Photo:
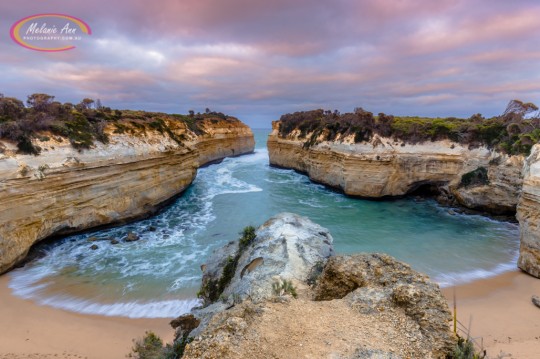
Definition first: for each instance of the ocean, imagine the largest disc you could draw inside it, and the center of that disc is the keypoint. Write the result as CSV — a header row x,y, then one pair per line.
x,y
159,275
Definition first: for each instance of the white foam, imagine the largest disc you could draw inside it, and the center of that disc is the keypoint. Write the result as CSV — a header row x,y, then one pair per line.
x,y
135,309
311,203
169,252
456,278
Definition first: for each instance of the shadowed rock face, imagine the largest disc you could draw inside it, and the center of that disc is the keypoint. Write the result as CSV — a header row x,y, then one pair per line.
x,y
528,215
363,306
373,283
384,167
64,190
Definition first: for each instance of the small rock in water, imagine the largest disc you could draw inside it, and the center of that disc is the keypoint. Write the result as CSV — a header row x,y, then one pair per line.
x,y
114,241
94,247
152,228
536,300
451,212
132,237
92,239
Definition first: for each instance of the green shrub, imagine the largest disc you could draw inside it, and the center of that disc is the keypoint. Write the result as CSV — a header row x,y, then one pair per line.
x,y
176,349
83,124
465,349
510,133
212,290
26,146
284,287
149,347
475,178
248,235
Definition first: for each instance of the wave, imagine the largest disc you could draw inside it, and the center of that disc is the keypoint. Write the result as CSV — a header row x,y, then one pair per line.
x,y
456,278
167,256
134,309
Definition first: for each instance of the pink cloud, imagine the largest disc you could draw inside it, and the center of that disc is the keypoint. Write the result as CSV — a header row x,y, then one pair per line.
x,y
268,57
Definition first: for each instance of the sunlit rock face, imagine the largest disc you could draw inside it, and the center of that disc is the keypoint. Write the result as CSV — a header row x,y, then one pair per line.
x,y
529,215
65,190
476,178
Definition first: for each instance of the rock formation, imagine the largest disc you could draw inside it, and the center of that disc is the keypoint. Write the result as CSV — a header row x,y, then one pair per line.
x,y
477,178
361,306
528,215
64,190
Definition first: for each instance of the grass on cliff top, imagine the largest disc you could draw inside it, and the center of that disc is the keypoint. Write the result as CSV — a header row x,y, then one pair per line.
x,y
84,123
510,133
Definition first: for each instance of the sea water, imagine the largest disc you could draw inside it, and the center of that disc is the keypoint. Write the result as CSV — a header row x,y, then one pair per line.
x,y
159,275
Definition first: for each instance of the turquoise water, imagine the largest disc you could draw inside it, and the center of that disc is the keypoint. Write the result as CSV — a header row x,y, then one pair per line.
x,y
159,275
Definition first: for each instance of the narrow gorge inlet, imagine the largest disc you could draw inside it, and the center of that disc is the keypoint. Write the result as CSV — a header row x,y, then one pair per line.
x,y
204,179
159,275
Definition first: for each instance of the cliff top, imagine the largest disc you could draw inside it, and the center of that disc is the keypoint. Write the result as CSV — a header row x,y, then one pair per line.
x,y
84,123
513,132
288,296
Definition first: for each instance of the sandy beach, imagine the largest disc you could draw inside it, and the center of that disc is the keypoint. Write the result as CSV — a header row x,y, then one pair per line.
x,y
501,314
28,330
503,317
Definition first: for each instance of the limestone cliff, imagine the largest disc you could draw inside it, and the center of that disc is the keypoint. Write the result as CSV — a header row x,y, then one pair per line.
x,y
529,215
477,178
64,190
289,297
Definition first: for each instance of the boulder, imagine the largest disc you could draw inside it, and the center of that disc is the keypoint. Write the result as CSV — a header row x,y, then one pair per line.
x,y
286,247
132,237
376,283
183,325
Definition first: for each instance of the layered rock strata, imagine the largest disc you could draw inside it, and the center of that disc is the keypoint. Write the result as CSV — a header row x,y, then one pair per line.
x,y
528,215
65,190
477,178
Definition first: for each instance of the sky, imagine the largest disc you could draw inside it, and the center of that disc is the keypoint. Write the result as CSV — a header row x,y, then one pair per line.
x,y
257,60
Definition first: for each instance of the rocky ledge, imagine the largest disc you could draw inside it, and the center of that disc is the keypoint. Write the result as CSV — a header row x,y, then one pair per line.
x,y
287,296
477,178
65,190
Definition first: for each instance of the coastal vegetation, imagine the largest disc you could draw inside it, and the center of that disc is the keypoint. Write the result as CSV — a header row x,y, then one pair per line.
x,y
513,132
84,123
151,347
212,289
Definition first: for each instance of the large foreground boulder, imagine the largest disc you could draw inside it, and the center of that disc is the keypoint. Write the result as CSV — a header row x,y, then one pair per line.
x,y
282,294
286,247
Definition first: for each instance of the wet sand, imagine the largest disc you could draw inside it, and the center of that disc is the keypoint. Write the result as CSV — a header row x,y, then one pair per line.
x,y
503,318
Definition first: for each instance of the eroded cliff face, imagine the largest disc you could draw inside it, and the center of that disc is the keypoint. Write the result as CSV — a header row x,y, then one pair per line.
x,y
64,190
528,215
385,167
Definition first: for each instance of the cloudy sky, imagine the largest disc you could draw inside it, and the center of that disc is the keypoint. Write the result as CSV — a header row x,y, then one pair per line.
x,y
259,59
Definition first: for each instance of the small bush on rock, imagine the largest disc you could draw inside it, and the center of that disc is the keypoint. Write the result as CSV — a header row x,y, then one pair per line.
x,y
149,347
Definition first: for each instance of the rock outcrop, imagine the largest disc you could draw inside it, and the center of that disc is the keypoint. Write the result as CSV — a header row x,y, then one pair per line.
x,y
362,306
374,283
477,178
64,190
528,215
286,247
